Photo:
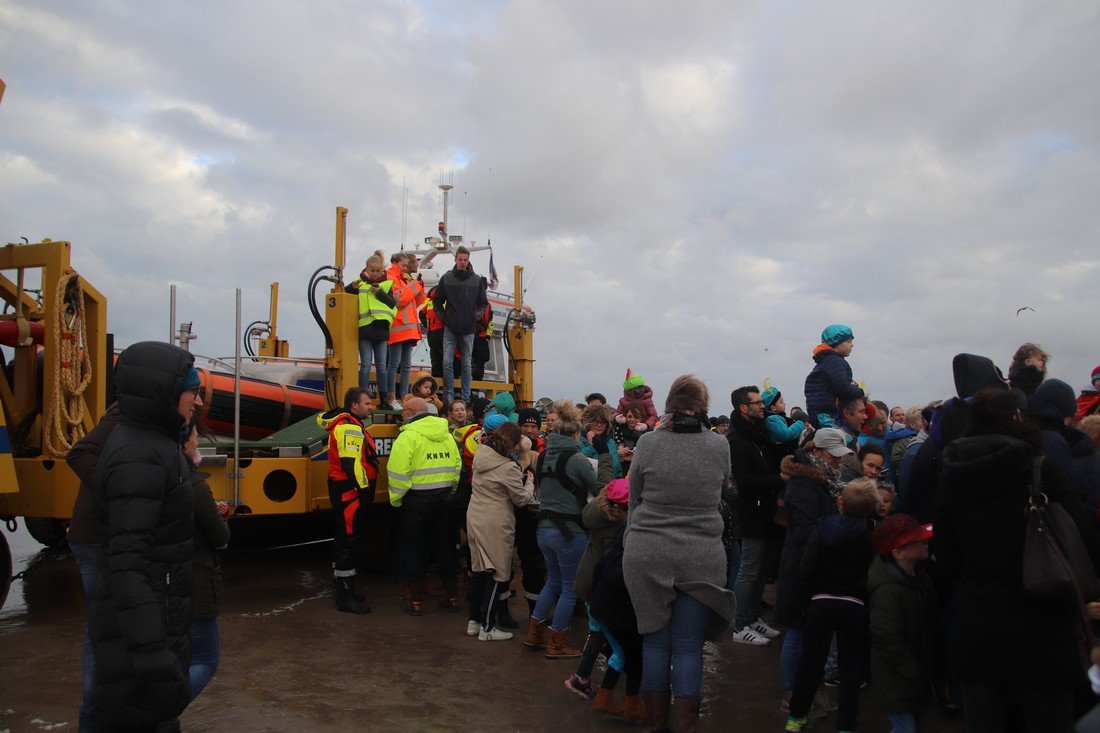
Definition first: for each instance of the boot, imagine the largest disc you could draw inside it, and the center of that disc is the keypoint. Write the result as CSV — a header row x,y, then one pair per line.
x,y
656,705
603,703
633,708
415,604
449,601
556,647
536,634
685,713
346,600
504,617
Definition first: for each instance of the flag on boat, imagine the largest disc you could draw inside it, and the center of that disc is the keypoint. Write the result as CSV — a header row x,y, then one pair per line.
x,y
493,279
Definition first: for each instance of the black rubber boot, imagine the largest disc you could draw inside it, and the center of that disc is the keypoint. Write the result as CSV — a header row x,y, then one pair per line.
x,y
346,600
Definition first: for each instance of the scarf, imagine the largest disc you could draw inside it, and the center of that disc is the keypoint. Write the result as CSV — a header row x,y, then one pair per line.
x,y
833,484
685,422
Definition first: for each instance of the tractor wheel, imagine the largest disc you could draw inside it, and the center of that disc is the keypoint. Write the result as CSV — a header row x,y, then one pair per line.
x,y
50,532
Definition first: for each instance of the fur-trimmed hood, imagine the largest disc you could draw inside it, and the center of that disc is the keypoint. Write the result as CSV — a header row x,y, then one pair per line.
x,y
797,466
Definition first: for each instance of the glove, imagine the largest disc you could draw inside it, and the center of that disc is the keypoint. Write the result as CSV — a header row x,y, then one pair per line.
x,y
620,419
641,427
599,442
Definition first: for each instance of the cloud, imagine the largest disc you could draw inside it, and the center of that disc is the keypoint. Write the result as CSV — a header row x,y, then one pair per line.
x,y
691,188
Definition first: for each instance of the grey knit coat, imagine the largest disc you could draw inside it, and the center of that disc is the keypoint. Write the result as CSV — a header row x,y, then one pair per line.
x,y
674,530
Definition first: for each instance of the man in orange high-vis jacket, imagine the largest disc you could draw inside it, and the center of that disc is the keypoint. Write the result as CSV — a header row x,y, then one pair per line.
x,y
405,334
352,470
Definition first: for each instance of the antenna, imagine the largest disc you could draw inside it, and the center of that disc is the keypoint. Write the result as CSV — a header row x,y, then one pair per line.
x,y
489,236
404,209
531,279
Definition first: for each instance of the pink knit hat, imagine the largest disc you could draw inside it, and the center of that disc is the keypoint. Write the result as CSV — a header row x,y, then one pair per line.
x,y
618,491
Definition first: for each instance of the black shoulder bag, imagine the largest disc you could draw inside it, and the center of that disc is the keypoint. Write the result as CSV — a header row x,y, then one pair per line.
x,y
1056,566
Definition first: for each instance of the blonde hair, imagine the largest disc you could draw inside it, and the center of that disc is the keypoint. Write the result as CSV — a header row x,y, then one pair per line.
x,y
378,257
860,497
687,394
1090,426
568,423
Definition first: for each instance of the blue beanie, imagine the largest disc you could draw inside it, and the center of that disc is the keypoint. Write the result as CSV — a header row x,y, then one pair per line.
x,y
769,396
191,379
836,334
492,422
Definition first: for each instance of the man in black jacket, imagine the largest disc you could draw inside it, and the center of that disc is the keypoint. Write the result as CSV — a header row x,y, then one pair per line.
x,y
141,613
759,486
460,298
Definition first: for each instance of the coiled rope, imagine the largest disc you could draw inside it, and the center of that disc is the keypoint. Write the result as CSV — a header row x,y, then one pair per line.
x,y
72,367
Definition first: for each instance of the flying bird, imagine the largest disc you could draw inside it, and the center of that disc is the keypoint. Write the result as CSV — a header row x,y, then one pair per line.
x,y
1025,308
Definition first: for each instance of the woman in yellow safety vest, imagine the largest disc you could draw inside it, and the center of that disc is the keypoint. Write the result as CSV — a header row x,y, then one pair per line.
x,y
377,308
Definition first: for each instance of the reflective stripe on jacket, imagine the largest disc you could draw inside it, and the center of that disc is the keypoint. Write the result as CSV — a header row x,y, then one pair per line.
x,y
348,440
423,458
409,294
372,309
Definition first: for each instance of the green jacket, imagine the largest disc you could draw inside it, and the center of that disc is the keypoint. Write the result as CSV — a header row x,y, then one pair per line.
x,y
902,609
424,460
557,498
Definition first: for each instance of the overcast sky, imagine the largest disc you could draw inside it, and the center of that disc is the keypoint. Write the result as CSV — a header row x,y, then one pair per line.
x,y
693,187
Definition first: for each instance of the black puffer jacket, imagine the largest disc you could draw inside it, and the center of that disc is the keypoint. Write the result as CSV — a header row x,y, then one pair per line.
x,y
141,612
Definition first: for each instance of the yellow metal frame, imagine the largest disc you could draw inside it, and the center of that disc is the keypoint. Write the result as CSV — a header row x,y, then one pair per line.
x,y
287,485
43,486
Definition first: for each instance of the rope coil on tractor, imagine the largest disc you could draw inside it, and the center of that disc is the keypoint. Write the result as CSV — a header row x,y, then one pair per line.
x,y
72,367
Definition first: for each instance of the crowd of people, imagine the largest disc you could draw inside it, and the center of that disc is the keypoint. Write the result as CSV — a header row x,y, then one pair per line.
x,y
895,538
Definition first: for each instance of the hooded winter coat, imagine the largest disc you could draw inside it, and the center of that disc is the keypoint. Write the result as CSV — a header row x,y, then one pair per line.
x,y
497,486
674,528
829,383
807,502
972,374
980,518
141,611
902,609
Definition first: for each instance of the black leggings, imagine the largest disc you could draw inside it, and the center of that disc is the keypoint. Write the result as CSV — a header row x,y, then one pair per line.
x,y
484,596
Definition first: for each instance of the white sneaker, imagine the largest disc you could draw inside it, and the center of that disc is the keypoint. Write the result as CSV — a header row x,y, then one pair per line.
x,y
472,627
761,627
748,636
396,405
493,635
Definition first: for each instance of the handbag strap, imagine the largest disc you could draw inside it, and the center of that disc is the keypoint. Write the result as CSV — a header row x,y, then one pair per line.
x,y
1035,488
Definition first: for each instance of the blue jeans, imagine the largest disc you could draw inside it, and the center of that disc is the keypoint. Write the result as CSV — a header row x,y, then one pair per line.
x,y
677,647
206,652
380,351
903,723
400,358
89,559
790,656
751,577
734,564
465,343
562,558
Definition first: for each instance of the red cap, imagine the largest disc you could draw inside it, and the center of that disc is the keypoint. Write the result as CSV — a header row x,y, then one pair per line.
x,y
897,531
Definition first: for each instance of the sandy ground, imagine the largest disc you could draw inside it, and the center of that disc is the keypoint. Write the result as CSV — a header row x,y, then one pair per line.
x,y
290,662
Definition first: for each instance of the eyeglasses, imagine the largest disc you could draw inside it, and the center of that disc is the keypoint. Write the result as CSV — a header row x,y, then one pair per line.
x,y
755,402
195,392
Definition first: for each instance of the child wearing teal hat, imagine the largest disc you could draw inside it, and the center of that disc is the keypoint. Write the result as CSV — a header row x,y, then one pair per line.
x,y
829,384
782,431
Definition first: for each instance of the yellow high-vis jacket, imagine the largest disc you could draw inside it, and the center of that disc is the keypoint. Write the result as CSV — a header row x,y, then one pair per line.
x,y
424,458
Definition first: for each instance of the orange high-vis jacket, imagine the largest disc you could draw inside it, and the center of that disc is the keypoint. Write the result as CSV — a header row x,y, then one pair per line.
x,y
409,295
